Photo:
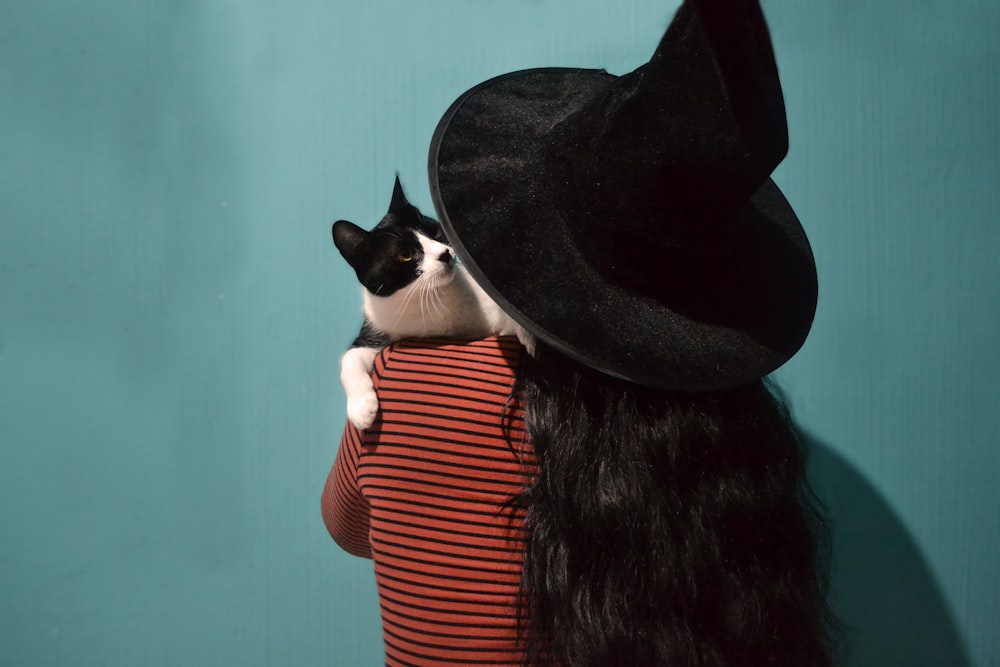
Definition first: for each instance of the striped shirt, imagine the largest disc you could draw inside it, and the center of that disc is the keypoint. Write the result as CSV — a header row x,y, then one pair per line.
x,y
427,493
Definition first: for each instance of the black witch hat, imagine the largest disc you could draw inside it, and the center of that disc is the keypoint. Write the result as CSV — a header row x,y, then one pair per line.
x,y
631,221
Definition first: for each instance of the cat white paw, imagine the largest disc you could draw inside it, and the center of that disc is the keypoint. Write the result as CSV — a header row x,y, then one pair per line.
x,y
362,408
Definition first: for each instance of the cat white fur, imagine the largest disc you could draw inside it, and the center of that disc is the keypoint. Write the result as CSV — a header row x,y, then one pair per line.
x,y
442,302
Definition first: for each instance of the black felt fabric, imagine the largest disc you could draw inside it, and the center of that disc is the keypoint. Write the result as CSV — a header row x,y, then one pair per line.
x,y
631,221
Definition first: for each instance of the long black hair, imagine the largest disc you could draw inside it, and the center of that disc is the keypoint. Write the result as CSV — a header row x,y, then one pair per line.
x,y
667,527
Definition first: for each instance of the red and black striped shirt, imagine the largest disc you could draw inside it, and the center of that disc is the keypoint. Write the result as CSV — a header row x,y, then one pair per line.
x,y
427,492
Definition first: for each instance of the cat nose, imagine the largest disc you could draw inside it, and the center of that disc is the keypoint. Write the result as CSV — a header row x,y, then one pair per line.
x,y
446,257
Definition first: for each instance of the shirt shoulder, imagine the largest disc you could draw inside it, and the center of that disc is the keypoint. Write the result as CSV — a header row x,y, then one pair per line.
x,y
493,360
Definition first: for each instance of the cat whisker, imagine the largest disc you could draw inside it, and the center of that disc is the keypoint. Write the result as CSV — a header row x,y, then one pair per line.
x,y
411,290
440,303
437,301
426,289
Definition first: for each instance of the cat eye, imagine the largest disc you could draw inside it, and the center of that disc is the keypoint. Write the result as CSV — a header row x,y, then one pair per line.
x,y
404,255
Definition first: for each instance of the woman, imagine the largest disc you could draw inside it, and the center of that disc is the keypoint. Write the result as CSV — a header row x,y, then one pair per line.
x,y
630,493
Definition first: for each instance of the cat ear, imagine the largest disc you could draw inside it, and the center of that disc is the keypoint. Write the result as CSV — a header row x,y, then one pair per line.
x,y
399,202
348,238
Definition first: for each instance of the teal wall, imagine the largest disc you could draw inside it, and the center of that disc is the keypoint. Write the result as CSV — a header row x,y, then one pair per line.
x,y
172,310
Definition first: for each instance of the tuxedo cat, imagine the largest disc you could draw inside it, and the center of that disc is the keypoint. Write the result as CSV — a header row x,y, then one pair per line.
x,y
413,287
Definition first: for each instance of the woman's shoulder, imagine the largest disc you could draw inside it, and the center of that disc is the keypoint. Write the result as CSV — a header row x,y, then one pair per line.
x,y
498,355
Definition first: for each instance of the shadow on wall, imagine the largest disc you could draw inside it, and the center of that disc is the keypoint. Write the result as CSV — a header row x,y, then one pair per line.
x,y
883,590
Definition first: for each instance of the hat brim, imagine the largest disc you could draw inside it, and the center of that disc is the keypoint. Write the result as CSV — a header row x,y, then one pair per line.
x,y
738,316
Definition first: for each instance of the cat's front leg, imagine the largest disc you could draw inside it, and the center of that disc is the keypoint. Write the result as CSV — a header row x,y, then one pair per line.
x,y
356,376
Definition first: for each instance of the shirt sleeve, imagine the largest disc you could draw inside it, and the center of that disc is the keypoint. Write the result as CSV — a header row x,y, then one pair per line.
x,y
345,511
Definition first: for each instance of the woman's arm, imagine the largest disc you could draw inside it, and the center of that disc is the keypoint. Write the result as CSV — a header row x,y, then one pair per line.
x,y
345,511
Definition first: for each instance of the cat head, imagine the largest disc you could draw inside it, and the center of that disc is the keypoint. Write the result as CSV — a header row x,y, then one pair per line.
x,y
404,246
